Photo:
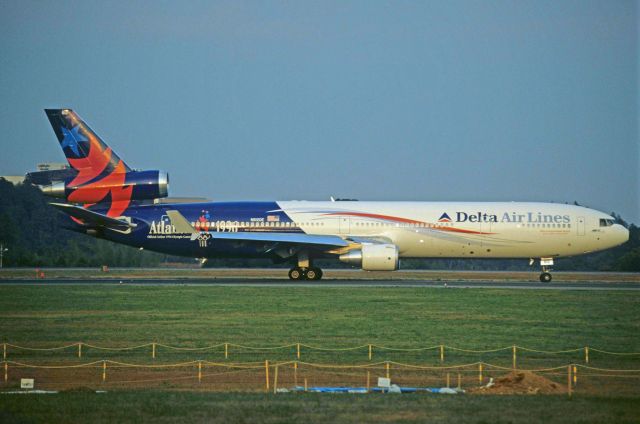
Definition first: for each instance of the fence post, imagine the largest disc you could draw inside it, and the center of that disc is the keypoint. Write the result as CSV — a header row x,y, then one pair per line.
x,y
79,349
459,381
480,373
569,380
514,357
575,375
226,351
199,371
586,354
153,350
275,381
305,385
6,371
266,374
4,351
448,380
295,374
370,352
104,371
441,353
386,365
368,380
298,352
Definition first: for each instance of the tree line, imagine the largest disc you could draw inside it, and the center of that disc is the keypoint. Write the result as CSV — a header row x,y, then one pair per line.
x,y
35,235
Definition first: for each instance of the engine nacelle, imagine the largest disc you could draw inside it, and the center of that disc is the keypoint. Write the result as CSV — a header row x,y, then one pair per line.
x,y
138,185
373,257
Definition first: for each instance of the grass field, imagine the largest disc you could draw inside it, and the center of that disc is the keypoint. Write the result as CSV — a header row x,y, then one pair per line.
x,y
124,315
170,407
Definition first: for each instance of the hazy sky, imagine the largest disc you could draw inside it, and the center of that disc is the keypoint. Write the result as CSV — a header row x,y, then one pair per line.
x,y
399,100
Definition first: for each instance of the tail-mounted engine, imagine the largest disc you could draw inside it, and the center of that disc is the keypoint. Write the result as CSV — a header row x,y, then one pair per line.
x,y
136,185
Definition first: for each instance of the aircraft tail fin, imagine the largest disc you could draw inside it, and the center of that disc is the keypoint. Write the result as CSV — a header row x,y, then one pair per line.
x,y
83,148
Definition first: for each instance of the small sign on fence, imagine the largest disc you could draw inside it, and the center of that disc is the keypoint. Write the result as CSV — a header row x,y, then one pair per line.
x,y
384,382
26,383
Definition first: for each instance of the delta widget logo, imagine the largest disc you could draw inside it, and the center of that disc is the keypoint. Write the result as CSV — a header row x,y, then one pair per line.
x,y
444,218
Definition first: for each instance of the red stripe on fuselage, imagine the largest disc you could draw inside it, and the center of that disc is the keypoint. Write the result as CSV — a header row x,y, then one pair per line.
x,y
407,221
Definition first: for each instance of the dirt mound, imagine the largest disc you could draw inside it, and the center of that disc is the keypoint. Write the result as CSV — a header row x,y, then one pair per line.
x,y
520,383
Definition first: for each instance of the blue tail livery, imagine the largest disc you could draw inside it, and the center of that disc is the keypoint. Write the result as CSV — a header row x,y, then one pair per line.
x,y
101,178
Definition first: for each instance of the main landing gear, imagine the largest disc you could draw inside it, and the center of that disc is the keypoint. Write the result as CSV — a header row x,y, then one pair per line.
x,y
305,269
311,273
546,264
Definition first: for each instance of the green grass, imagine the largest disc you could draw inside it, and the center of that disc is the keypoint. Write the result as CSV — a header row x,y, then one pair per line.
x,y
334,316
114,315
196,316
168,407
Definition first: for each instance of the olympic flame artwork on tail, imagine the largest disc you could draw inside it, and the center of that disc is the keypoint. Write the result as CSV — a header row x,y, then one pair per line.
x,y
101,176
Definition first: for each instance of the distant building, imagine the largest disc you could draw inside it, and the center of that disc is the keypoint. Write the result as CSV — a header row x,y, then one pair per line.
x,y
52,166
43,175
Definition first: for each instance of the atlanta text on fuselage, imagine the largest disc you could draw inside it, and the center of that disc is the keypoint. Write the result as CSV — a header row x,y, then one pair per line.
x,y
107,199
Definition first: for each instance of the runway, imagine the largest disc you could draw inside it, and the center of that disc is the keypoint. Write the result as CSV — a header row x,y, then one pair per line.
x,y
272,282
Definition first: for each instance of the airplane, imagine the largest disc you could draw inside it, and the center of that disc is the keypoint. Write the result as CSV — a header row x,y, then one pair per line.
x,y
105,198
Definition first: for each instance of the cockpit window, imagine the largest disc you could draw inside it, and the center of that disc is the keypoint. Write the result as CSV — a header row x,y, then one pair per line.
x,y
606,222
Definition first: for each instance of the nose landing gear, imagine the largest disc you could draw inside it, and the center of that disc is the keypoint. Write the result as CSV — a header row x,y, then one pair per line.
x,y
546,264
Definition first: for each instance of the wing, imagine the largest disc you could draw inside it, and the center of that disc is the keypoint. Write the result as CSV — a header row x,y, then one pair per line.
x,y
183,226
286,238
370,240
93,219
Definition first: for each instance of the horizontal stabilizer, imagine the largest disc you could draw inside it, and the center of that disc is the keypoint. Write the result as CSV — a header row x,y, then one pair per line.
x,y
93,219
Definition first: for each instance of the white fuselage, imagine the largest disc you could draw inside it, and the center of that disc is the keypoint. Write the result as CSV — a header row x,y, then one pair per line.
x,y
464,229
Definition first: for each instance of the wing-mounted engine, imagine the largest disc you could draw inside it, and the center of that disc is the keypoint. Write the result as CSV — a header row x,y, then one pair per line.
x,y
142,185
373,257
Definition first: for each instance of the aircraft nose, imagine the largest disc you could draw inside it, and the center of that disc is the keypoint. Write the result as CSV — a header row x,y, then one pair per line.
x,y
622,234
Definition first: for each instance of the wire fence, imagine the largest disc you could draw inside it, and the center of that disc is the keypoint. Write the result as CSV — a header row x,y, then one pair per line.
x,y
513,356
301,376
301,366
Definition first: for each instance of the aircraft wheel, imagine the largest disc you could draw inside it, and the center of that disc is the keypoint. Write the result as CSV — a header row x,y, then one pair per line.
x,y
296,273
314,274
545,277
